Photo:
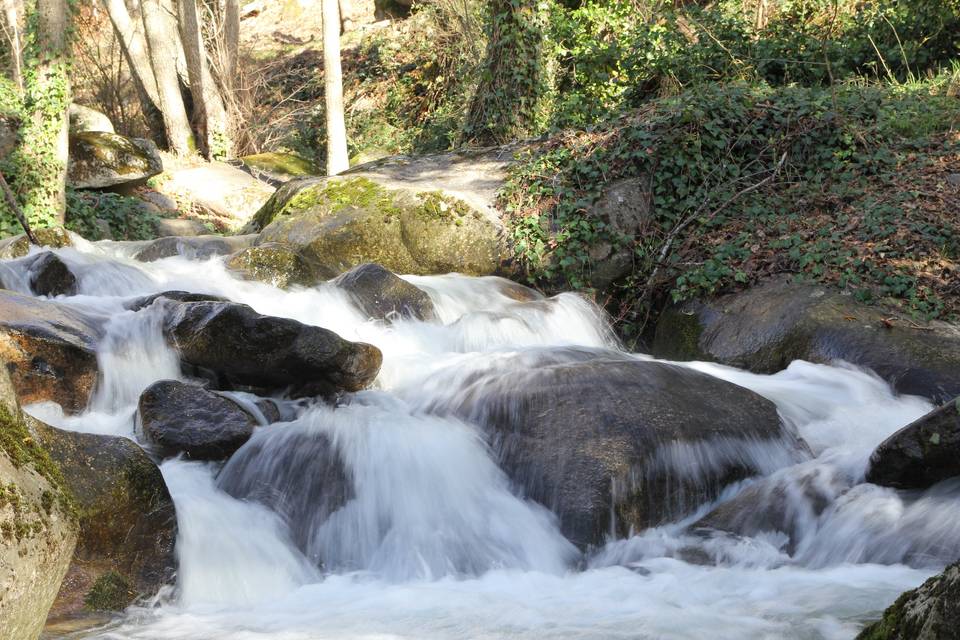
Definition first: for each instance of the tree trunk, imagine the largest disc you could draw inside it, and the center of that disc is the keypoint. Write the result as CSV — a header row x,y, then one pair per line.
x,y
209,111
132,44
13,35
163,42
337,159
231,44
41,159
346,16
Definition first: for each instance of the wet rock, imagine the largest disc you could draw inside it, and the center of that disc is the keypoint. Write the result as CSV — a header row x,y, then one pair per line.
x,y
337,224
50,276
602,440
172,296
127,518
38,527
193,247
765,328
49,350
929,612
272,263
86,119
247,348
99,159
182,418
52,237
921,454
380,293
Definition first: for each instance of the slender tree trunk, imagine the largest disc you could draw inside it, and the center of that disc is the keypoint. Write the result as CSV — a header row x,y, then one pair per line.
x,y
337,159
231,44
163,42
130,34
208,107
16,52
346,16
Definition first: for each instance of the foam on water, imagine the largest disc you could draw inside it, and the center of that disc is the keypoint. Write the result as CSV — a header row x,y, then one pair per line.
x,y
386,518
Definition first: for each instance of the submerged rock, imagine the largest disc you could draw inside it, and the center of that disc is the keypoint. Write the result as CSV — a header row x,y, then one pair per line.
x,y
929,612
337,224
99,159
50,276
612,443
765,328
172,296
921,454
380,293
272,263
178,418
248,348
127,520
49,349
192,247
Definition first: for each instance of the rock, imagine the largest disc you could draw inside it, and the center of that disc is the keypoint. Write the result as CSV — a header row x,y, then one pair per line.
x,y
127,520
921,454
162,201
624,208
174,296
49,350
182,418
181,227
50,276
52,237
227,194
337,224
38,524
99,159
606,441
765,328
277,168
87,119
193,248
272,263
247,348
380,293
929,612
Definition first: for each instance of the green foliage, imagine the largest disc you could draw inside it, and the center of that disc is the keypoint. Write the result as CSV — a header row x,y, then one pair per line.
x,y
111,592
728,212
126,218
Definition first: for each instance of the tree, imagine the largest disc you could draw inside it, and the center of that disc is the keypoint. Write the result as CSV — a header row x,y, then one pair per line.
x,y
165,50
210,114
231,43
337,159
12,29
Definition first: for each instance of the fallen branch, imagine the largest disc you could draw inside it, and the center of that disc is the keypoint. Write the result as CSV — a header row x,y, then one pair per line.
x,y
17,211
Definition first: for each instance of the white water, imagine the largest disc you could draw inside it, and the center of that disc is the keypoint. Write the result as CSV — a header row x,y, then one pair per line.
x,y
431,541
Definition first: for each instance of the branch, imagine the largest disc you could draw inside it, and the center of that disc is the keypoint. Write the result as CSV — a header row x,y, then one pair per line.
x,y
17,211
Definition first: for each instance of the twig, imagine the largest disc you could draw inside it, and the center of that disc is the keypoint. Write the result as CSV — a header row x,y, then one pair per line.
x,y
17,211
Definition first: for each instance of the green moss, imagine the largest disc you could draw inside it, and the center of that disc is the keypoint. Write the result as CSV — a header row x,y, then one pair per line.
x,y
438,206
888,627
111,592
289,164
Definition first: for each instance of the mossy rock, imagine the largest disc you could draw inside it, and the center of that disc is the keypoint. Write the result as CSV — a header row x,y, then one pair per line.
x,y
99,159
273,264
18,246
279,167
337,224
929,612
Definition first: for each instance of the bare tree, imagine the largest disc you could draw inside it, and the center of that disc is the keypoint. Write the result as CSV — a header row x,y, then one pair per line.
x,y
209,112
337,159
12,28
165,48
231,43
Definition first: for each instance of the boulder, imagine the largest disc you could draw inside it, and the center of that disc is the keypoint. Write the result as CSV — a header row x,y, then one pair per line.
x,y
127,520
765,328
226,194
49,349
176,418
247,348
38,524
18,246
929,612
612,444
277,167
624,209
173,296
339,223
86,119
50,276
193,248
380,293
921,454
181,227
99,159
272,263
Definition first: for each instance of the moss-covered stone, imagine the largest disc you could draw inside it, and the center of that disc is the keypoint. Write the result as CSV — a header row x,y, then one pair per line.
x,y
99,159
337,224
272,263
18,246
929,612
111,592
280,167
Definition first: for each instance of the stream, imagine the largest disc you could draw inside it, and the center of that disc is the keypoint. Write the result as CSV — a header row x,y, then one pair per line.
x,y
435,542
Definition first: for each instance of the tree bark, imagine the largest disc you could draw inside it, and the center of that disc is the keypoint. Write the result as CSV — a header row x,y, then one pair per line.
x,y
231,44
16,52
163,43
208,107
133,46
346,16
337,159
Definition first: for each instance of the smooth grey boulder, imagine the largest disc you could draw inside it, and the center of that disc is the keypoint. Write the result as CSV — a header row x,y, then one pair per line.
x,y
382,294
765,328
192,247
87,119
99,159
923,453
176,418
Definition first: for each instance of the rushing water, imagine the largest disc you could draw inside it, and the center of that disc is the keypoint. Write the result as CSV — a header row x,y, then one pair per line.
x,y
432,541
